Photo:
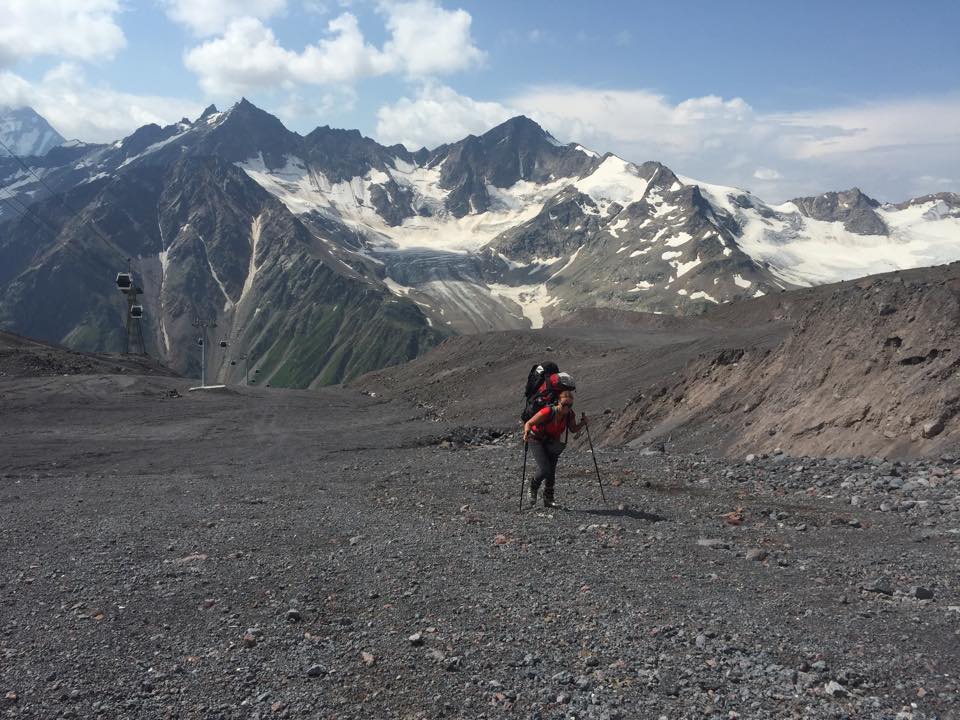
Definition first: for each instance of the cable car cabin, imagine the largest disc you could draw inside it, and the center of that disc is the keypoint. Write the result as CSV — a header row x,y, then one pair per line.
x,y
124,281
136,311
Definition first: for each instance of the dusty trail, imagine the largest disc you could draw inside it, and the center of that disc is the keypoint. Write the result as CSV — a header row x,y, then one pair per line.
x,y
152,547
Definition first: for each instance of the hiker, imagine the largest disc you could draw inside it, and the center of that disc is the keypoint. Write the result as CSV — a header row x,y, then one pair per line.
x,y
544,433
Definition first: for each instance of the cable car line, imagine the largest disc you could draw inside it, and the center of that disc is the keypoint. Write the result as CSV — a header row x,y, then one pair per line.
x,y
62,199
21,210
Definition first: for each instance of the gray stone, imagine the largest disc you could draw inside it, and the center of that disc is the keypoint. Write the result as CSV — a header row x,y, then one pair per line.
x,y
835,689
563,678
921,593
713,543
756,554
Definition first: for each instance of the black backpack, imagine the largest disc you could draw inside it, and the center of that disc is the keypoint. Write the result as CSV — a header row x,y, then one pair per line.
x,y
535,398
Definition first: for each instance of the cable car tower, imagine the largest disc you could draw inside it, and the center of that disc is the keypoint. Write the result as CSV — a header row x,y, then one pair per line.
x,y
128,287
202,324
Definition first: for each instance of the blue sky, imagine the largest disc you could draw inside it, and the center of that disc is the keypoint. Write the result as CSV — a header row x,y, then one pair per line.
x,y
784,98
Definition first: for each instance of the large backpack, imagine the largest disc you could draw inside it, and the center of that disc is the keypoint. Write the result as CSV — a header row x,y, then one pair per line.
x,y
539,391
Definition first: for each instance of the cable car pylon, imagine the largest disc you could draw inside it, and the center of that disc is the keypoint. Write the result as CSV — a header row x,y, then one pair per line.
x,y
128,287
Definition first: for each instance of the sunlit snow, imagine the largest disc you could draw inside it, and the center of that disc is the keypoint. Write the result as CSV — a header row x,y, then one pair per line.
x,y
684,268
532,299
616,180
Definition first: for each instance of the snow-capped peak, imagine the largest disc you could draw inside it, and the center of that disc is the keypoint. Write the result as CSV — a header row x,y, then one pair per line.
x,y
26,133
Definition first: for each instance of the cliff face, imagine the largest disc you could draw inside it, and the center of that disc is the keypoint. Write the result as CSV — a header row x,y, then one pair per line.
x,y
870,367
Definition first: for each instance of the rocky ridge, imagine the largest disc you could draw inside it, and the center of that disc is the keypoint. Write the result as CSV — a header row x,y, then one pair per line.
x,y
870,367
22,357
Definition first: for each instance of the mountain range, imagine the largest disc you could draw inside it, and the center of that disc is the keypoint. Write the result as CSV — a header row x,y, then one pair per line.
x,y
322,256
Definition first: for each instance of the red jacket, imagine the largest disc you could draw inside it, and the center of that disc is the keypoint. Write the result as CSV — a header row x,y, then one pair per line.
x,y
547,424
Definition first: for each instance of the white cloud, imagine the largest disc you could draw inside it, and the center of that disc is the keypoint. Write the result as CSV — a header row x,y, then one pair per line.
x,y
639,118
208,17
424,40
87,112
766,174
873,126
892,150
248,57
83,29
437,114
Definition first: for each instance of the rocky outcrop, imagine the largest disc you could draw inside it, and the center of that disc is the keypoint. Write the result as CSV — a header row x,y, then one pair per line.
x,y
868,368
851,207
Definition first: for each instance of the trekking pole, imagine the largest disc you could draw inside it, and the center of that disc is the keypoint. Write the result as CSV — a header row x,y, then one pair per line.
x,y
523,475
595,467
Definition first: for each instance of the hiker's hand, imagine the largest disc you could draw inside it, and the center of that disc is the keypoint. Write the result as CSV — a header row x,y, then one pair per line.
x,y
526,432
583,418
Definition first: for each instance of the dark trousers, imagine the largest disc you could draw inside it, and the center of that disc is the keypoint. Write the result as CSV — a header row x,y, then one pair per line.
x,y
546,453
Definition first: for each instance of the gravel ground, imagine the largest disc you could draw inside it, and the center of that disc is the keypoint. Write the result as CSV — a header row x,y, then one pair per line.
x,y
281,554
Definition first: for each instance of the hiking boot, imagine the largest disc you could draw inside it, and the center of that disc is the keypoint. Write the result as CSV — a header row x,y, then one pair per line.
x,y
548,501
532,494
